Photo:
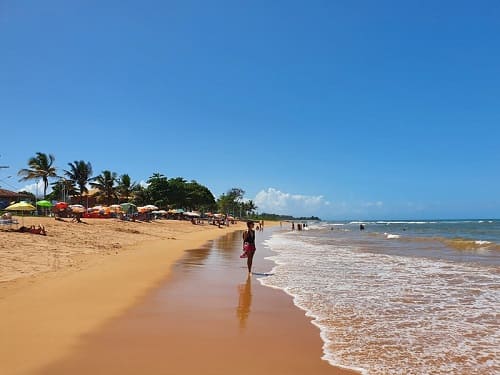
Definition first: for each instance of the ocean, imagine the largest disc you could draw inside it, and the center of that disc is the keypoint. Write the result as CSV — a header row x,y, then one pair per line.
x,y
400,297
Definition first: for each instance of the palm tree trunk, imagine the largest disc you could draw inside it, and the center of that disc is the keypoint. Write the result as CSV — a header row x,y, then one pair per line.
x,y
45,185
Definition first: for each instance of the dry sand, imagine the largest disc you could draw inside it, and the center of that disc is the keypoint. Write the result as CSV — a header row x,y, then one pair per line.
x,y
57,287
73,245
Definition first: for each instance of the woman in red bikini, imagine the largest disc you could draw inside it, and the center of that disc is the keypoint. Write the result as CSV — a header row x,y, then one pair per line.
x,y
249,245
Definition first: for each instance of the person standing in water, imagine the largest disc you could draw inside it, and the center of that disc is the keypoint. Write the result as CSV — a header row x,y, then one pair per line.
x,y
249,245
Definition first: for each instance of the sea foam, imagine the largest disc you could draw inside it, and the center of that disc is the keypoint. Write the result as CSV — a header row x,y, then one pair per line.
x,y
383,313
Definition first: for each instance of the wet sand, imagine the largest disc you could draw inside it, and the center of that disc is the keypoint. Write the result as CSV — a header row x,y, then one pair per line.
x,y
44,312
205,317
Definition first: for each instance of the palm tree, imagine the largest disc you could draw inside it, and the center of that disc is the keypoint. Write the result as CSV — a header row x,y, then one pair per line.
x,y
250,207
61,189
105,183
40,168
125,187
80,174
141,196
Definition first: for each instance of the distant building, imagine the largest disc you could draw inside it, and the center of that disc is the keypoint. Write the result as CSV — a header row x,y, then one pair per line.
x,y
88,199
7,197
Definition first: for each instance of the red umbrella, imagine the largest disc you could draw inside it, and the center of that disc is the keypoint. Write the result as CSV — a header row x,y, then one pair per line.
x,y
61,205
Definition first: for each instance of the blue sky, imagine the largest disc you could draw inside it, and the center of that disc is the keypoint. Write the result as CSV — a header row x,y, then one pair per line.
x,y
344,109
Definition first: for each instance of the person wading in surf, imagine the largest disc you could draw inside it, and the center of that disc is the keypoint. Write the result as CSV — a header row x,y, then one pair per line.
x,y
249,245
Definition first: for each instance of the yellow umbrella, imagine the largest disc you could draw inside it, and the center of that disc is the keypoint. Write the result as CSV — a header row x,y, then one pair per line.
x,y
21,206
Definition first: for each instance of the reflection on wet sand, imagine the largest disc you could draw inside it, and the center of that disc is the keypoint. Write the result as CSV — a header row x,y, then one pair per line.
x,y
187,326
245,302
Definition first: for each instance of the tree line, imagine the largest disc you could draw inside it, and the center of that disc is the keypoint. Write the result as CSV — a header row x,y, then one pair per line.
x,y
111,188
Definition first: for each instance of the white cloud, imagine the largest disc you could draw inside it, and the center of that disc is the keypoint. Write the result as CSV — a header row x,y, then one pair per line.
x,y
36,188
144,184
278,202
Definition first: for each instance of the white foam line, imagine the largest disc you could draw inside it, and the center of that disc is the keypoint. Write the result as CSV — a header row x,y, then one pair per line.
x,y
314,319
427,281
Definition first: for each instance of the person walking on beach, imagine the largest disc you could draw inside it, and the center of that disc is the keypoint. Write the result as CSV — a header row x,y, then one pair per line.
x,y
249,245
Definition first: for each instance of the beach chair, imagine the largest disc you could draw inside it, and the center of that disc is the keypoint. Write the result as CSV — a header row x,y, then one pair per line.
x,y
8,223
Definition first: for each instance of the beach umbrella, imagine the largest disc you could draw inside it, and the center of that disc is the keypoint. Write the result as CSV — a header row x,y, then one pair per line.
x,y
115,208
46,204
61,205
21,206
128,207
150,207
77,208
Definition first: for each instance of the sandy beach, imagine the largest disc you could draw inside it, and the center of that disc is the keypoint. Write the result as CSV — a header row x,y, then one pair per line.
x,y
130,299
57,287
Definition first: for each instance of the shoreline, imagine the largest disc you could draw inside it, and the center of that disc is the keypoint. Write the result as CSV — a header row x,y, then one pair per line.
x,y
43,316
205,317
272,266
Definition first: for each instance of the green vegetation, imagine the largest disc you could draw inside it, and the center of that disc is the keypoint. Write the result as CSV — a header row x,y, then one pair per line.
x,y
274,217
79,174
40,167
61,189
159,190
111,188
233,203
29,196
126,188
106,185
174,193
